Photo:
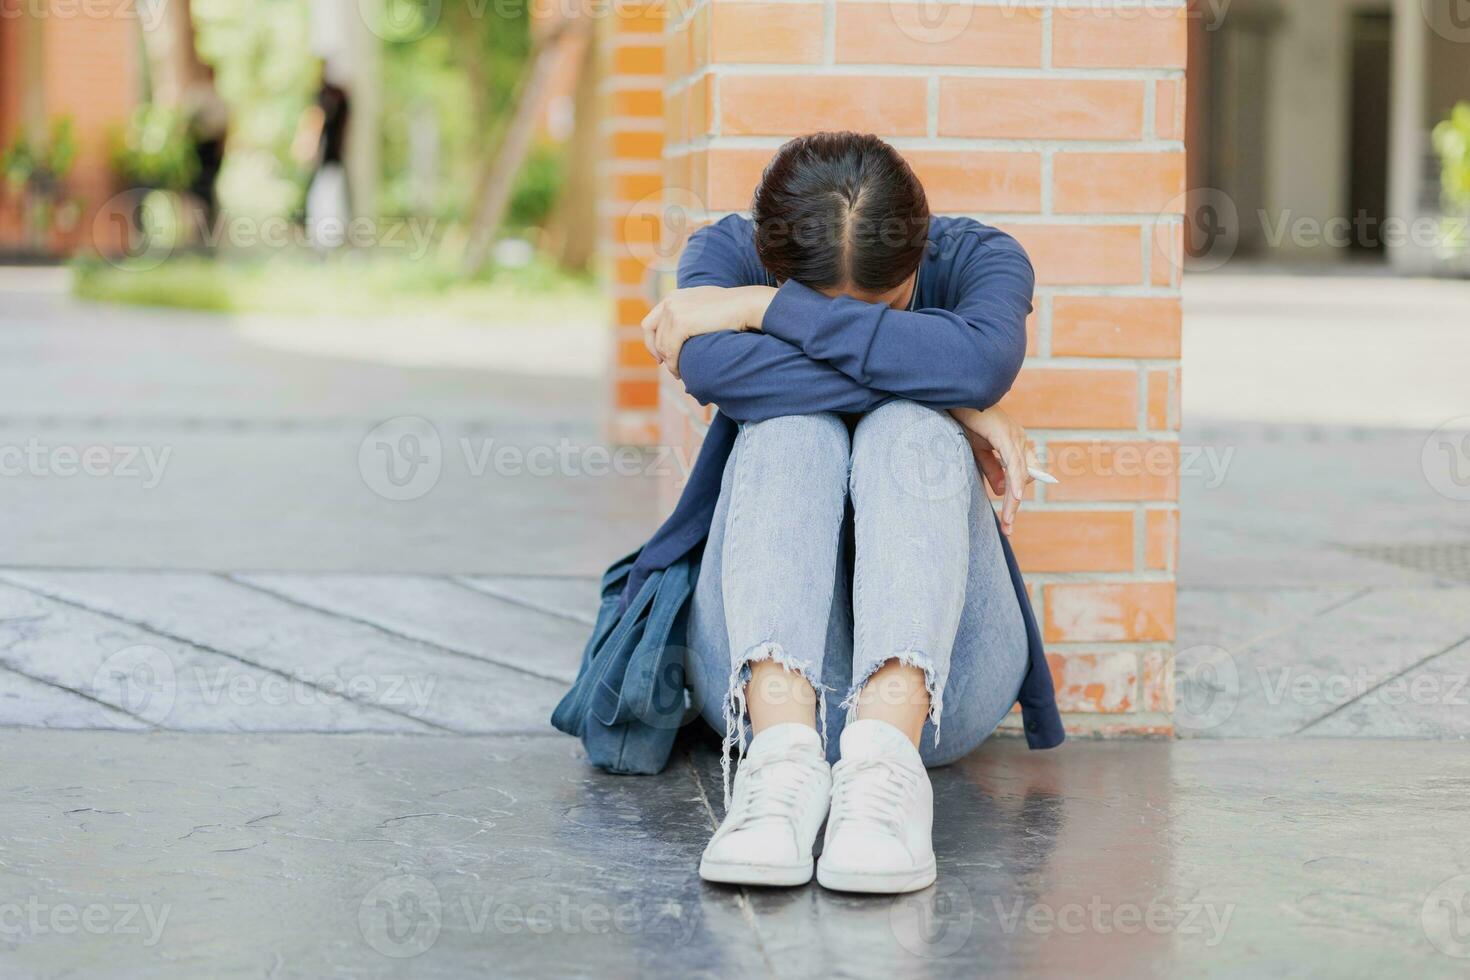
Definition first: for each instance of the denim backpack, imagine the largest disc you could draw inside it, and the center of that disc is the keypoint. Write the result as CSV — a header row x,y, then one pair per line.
x,y
627,702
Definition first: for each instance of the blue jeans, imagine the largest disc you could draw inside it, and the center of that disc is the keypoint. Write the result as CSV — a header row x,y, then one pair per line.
x,y
928,584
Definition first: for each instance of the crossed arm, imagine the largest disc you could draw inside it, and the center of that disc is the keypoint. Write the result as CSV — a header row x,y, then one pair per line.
x,y
758,352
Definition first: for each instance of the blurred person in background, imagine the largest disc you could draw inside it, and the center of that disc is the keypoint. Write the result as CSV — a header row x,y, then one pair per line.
x,y
320,144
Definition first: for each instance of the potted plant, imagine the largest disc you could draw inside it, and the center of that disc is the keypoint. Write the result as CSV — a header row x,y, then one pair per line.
x,y
35,172
154,156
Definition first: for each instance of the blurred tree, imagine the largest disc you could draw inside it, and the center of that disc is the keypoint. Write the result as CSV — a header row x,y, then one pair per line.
x,y
155,150
170,51
572,229
503,165
265,72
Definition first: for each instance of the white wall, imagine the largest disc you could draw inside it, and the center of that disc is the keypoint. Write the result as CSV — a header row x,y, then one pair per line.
x,y
1307,118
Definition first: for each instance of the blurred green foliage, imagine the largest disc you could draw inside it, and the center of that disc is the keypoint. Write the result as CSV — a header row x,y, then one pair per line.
x,y
155,150
365,286
458,73
265,72
536,189
41,163
457,79
448,88
36,170
1452,142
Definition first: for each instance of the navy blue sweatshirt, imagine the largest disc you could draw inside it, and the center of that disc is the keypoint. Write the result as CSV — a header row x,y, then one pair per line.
x,y
960,344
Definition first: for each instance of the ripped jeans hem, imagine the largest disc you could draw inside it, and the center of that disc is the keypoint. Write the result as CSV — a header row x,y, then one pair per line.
x,y
735,706
909,658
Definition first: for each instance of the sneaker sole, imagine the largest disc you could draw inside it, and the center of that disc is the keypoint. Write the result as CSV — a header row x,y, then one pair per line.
x,y
727,873
882,883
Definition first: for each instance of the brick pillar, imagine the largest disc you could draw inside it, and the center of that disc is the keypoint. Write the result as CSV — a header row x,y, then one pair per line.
x,y
80,61
630,208
1065,127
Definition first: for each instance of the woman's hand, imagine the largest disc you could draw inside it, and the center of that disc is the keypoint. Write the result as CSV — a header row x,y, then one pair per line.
x,y
999,444
686,313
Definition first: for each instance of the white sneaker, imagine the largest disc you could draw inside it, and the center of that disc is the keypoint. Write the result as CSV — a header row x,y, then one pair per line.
x,y
781,792
879,834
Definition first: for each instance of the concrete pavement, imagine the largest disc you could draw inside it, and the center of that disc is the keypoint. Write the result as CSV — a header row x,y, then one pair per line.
x,y
171,855
306,613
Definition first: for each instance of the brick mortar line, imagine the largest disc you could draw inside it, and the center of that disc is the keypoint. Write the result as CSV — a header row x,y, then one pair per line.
x,y
1138,222
689,10
1150,111
1047,38
829,32
1146,576
677,82
882,69
1084,362
631,124
614,82
631,167
1079,647
1019,146
1084,7
1091,506
1149,240
1140,536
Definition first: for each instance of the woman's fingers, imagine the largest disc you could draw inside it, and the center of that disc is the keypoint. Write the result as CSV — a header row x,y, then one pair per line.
x,y
1017,478
659,336
670,341
1015,481
650,330
991,468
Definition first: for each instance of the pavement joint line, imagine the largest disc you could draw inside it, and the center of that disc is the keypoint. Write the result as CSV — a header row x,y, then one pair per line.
x,y
1434,586
1271,634
387,631
742,893
1325,587
266,422
320,573
11,668
1387,680
165,634
464,582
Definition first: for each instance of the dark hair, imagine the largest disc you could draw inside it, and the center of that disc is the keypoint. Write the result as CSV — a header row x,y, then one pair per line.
x,y
840,209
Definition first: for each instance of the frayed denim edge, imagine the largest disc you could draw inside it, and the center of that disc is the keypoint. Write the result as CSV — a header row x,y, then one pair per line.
x,y
909,658
735,704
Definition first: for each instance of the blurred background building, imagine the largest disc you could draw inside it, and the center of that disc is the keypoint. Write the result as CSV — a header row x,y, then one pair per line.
x,y
1312,119
1314,111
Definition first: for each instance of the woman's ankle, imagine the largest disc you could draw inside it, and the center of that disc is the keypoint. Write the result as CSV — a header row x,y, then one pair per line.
x,y
776,695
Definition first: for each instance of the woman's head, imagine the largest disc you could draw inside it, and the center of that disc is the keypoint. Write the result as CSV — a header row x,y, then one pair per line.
x,y
841,213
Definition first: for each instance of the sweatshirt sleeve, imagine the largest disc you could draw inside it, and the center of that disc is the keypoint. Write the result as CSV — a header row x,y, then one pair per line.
x,y
964,356
751,376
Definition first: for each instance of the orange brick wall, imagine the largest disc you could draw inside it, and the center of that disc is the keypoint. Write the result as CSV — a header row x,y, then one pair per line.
x,y
631,208
1063,126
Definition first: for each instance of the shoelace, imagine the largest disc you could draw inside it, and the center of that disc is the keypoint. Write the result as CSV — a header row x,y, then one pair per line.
x,y
872,791
769,789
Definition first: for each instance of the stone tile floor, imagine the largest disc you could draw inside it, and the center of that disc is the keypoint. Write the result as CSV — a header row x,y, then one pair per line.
x,y
261,718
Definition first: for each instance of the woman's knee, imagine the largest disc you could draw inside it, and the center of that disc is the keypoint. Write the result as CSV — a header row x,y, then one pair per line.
x,y
813,440
908,447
